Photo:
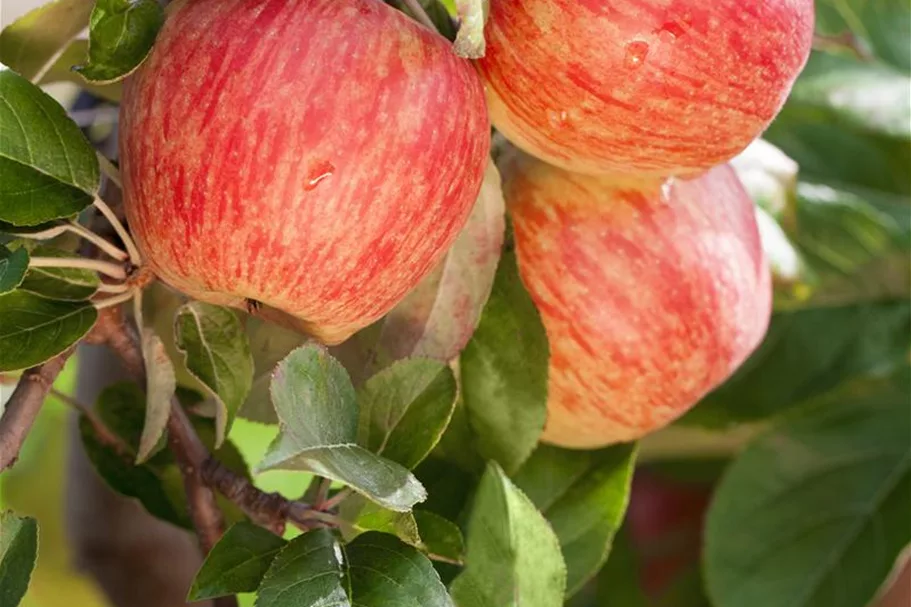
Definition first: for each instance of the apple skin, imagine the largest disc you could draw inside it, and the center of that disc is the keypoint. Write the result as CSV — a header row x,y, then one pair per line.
x,y
314,156
651,293
653,87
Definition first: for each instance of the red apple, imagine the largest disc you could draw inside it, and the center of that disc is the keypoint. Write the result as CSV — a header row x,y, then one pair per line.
x,y
317,156
662,87
665,520
651,293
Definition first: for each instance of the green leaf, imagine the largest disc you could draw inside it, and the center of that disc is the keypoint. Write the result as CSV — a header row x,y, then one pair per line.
x,y
32,41
617,584
584,495
815,512
308,572
47,168
449,487
54,227
237,563
372,571
161,385
360,515
504,372
269,344
121,35
438,317
120,407
458,443
513,556
69,284
217,354
62,71
18,554
441,12
13,265
857,242
383,571
839,104
866,96
405,408
318,411
441,539
34,329
882,25
469,42
806,353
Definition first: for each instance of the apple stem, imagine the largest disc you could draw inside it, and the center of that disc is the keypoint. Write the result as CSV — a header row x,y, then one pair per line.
x,y
116,300
82,232
102,267
420,15
108,247
107,287
109,169
44,234
118,226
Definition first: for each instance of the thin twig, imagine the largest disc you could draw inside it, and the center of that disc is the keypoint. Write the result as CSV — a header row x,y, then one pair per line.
x,y
418,12
112,270
108,247
24,404
324,517
121,230
108,167
103,433
322,492
336,499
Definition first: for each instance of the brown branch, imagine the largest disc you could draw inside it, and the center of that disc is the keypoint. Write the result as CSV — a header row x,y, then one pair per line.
x,y
269,510
24,404
188,450
191,454
200,469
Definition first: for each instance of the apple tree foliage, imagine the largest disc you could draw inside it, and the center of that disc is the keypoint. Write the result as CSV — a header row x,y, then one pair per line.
x,y
427,422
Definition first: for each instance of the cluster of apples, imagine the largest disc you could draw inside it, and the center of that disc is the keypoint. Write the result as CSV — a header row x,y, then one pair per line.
x,y
316,158
641,251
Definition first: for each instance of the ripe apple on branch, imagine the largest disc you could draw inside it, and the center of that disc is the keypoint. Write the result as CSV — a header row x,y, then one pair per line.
x,y
468,402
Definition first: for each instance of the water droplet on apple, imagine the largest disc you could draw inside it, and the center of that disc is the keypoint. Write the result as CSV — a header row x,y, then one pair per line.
x,y
636,52
318,172
667,188
556,118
